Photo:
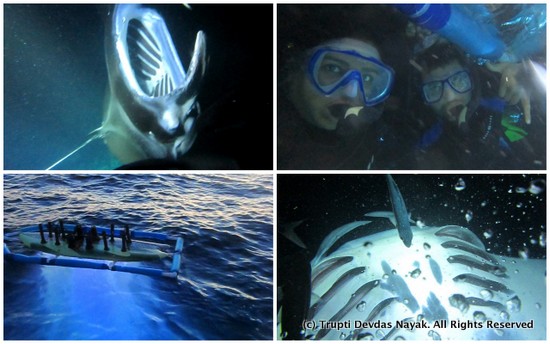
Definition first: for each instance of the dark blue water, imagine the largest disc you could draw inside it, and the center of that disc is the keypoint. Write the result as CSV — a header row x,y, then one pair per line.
x,y
511,207
224,289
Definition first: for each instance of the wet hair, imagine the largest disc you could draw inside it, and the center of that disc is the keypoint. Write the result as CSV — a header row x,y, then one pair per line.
x,y
440,55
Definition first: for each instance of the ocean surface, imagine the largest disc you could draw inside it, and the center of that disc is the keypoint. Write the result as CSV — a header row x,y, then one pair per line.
x,y
225,286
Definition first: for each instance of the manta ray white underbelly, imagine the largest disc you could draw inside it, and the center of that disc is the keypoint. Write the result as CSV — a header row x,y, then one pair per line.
x,y
374,287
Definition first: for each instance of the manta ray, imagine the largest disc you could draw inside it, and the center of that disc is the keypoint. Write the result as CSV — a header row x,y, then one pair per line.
x,y
375,287
150,109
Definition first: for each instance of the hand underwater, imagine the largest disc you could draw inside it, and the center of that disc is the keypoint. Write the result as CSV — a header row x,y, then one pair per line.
x,y
510,88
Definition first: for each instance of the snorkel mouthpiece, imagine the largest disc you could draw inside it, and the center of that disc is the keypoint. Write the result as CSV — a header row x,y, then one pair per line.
x,y
357,118
353,111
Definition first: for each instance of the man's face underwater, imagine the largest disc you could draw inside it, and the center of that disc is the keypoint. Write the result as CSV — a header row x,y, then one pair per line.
x,y
452,103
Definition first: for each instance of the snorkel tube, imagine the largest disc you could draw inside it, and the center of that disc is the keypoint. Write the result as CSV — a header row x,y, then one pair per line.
x,y
453,23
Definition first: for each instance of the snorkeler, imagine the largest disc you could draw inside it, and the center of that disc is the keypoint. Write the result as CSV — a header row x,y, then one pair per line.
x,y
332,87
479,125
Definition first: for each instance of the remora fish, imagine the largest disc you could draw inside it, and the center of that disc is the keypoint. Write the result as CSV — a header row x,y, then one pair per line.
x,y
151,107
446,274
400,212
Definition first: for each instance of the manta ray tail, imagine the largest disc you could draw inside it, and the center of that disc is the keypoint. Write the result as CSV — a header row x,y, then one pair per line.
x,y
96,134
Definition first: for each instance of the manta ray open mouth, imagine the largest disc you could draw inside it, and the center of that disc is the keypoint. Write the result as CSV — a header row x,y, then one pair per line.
x,y
153,57
153,108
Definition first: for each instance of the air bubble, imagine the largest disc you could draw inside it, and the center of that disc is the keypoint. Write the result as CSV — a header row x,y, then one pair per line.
x,y
479,316
514,304
415,273
520,189
488,234
459,301
469,216
434,335
460,185
537,186
504,315
361,306
380,334
427,246
486,294
524,253
368,336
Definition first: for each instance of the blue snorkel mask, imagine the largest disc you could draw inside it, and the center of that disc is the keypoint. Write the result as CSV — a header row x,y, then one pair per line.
x,y
347,73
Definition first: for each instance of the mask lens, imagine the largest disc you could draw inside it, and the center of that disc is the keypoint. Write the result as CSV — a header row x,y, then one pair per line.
x,y
432,91
333,70
461,82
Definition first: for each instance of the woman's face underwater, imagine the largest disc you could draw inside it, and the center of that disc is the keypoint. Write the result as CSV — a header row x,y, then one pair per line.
x,y
451,103
324,111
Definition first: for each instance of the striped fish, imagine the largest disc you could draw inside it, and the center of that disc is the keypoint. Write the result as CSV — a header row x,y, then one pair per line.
x,y
373,287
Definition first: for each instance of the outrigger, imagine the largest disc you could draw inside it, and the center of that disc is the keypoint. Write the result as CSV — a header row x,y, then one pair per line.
x,y
99,248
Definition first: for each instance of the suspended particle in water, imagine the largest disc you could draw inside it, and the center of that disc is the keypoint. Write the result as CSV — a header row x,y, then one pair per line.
x,y
469,216
420,224
460,185
537,186
519,205
488,234
484,203
542,239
